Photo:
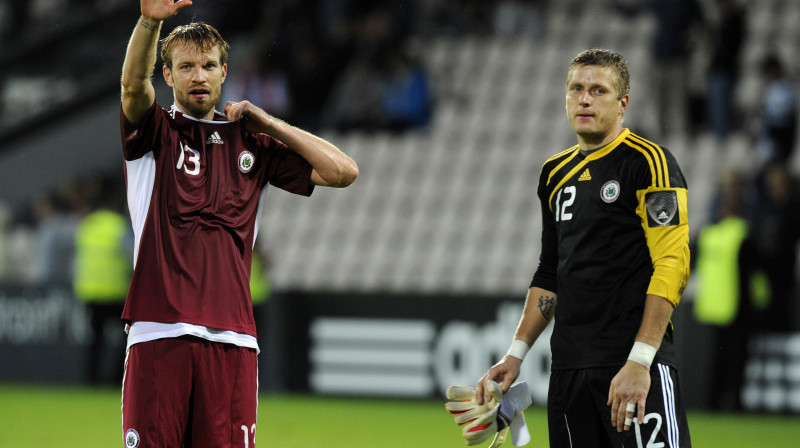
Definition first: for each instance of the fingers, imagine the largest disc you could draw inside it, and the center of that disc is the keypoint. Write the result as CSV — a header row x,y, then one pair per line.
x,y
624,413
163,9
623,410
506,384
460,393
469,415
479,391
615,413
180,4
494,391
232,111
627,395
640,413
459,407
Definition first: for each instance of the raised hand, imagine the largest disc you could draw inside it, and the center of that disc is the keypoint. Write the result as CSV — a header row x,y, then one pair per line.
x,y
162,9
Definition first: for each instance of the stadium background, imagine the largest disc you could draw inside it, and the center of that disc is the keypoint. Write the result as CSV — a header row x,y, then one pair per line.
x,y
411,279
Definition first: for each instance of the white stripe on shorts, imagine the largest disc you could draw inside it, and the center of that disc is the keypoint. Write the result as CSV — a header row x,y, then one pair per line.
x,y
668,391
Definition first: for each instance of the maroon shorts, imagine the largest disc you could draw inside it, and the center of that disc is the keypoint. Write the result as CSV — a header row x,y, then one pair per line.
x,y
189,392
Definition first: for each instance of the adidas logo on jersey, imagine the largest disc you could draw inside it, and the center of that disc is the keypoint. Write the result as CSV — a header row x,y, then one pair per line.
x,y
585,175
214,138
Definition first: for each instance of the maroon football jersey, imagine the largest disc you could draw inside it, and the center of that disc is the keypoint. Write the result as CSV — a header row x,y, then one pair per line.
x,y
194,192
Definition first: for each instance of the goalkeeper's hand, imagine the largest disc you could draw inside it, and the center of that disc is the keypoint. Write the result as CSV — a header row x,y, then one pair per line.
x,y
480,419
494,416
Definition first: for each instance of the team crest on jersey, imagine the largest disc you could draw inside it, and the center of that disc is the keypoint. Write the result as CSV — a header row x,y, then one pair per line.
x,y
246,161
610,191
131,438
662,208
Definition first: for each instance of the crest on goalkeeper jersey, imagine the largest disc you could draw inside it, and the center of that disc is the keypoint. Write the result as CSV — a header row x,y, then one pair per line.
x,y
610,191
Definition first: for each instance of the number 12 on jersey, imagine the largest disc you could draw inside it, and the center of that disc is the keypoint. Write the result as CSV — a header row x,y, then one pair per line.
x,y
561,206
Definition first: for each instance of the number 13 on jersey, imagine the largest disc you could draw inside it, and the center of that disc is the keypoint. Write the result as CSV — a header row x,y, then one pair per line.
x,y
193,159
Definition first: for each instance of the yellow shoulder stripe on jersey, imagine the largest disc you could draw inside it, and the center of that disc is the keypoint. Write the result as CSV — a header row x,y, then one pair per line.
x,y
574,150
577,168
656,158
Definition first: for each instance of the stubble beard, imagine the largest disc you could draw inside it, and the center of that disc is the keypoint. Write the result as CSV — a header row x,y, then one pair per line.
x,y
200,109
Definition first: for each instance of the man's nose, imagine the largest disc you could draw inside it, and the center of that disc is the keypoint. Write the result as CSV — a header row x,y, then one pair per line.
x,y
198,74
584,98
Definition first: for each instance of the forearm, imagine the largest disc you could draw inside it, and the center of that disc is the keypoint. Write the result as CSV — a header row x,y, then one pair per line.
x,y
332,167
657,315
140,57
540,307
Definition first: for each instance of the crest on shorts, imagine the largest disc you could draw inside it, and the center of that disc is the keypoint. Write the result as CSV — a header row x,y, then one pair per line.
x,y
610,191
246,161
131,438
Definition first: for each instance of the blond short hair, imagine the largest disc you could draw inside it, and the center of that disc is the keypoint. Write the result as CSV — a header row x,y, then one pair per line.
x,y
609,59
202,35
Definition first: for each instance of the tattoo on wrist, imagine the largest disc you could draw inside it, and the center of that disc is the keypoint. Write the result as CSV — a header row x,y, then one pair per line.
x,y
147,25
546,304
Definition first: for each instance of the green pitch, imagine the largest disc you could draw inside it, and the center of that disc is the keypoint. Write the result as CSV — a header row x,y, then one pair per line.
x,y
40,416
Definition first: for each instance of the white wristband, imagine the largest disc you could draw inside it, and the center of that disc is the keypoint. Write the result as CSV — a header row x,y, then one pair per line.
x,y
643,353
518,349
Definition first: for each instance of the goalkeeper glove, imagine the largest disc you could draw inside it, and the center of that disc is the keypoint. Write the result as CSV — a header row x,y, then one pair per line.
x,y
495,416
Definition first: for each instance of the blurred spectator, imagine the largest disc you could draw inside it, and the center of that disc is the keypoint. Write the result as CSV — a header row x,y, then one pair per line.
x,y
54,230
383,86
311,81
103,268
17,16
726,35
260,289
308,51
457,17
265,85
727,271
777,121
776,233
676,24
5,249
356,99
518,17
407,99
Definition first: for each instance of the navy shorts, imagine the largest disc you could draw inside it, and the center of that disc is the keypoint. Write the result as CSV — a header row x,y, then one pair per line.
x,y
189,392
578,416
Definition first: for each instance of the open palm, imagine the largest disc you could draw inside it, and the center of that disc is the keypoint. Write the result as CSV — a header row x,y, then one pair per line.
x,y
162,9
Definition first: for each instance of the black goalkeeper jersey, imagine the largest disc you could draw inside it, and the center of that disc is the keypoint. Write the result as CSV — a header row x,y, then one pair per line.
x,y
615,229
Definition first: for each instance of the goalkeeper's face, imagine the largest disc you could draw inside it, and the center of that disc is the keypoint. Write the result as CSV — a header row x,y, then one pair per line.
x,y
594,109
196,78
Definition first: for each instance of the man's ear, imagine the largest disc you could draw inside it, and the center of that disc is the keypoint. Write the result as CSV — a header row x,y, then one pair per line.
x,y
167,75
623,104
224,72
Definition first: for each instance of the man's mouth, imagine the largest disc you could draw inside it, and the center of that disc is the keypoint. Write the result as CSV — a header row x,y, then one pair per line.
x,y
198,93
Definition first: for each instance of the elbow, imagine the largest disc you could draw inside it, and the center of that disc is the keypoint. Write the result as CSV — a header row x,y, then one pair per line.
x,y
338,175
348,175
